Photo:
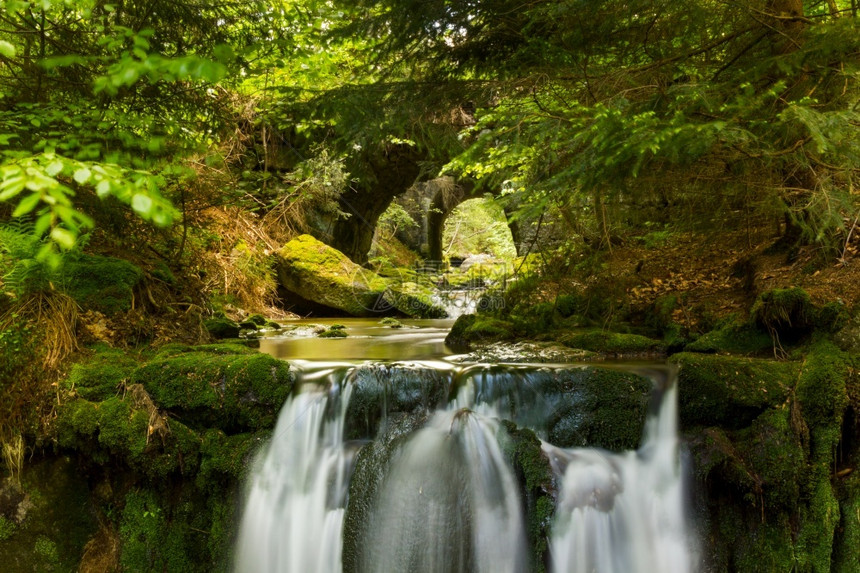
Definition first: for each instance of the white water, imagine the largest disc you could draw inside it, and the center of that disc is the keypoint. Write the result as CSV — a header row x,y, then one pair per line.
x,y
450,503
623,513
295,501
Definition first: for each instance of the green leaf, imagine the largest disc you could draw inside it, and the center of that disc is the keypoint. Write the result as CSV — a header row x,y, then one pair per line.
x,y
27,204
54,168
63,237
42,224
7,49
82,175
142,204
103,188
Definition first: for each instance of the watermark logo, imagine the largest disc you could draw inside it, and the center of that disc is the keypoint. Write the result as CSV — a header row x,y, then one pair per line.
x,y
433,289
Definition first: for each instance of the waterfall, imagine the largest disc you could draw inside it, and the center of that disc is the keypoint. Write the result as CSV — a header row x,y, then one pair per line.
x,y
623,513
295,500
442,495
450,503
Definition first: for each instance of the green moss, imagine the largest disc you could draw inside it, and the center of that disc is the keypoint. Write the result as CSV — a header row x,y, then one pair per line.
x,y
735,338
598,407
534,318
392,322
568,305
257,319
333,333
147,541
222,327
225,459
223,348
612,342
846,557
729,391
248,325
47,551
523,450
489,329
823,397
100,283
231,392
774,454
101,375
7,528
456,337
788,312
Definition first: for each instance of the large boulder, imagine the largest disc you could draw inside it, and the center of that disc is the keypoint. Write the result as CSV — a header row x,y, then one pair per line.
x,y
320,274
320,277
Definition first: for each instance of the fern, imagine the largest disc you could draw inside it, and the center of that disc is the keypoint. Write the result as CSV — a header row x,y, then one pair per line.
x,y
22,270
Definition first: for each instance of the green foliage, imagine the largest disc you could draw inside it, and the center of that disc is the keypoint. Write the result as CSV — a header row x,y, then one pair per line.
x,y
7,528
478,226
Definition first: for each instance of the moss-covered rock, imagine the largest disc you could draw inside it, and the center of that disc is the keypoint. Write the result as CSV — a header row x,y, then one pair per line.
x,y
612,343
730,391
101,375
258,320
371,467
470,328
325,276
100,283
534,474
333,333
734,338
598,407
49,521
784,466
222,327
231,392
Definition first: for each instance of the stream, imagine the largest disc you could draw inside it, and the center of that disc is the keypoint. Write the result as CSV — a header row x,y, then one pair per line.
x,y
394,456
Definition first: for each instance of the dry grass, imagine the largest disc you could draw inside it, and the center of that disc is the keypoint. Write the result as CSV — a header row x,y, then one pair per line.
x,y
55,315
101,553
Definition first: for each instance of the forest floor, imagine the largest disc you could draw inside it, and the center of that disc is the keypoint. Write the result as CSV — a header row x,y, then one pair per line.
x,y
717,273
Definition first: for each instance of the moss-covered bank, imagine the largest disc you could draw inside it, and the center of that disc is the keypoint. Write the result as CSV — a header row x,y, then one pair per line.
x,y
158,441
775,445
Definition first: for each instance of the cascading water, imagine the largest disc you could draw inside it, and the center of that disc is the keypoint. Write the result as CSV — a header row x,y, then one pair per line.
x,y
450,503
296,498
623,512
443,495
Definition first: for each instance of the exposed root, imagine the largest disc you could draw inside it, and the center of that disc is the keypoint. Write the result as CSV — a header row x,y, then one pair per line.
x,y
158,424
101,553
13,457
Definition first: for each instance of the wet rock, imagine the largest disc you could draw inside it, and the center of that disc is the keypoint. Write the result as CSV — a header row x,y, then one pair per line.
x,y
597,407
325,276
526,352
371,467
222,327
729,391
380,391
